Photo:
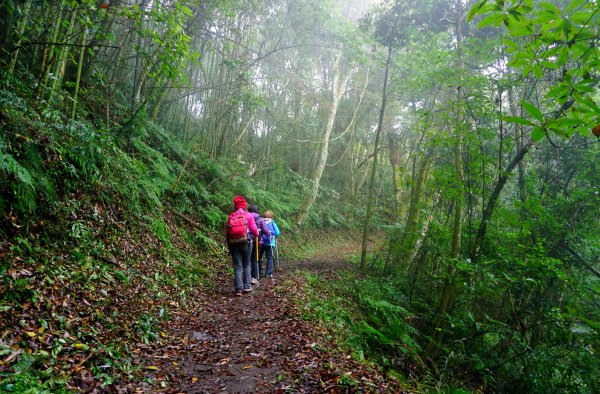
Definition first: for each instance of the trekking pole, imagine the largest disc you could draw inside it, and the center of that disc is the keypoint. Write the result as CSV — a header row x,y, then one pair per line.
x,y
277,253
273,251
257,267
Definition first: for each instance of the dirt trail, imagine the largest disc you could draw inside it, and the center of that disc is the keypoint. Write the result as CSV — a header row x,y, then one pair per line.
x,y
254,343
240,344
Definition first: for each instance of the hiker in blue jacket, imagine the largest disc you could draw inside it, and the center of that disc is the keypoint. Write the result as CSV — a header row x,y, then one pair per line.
x,y
264,230
268,243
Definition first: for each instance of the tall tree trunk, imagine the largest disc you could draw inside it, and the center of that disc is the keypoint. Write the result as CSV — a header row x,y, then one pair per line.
x,y
63,55
424,229
448,290
338,88
23,20
108,19
489,208
158,102
48,53
520,165
398,175
78,78
407,241
61,61
366,229
414,209
458,207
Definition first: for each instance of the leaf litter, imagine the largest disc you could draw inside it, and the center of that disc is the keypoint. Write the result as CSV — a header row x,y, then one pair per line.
x,y
213,342
257,343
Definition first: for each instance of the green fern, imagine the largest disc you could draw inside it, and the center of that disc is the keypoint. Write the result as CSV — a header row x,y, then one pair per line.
x,y
160,230
10,166
207,241
22,186
213,217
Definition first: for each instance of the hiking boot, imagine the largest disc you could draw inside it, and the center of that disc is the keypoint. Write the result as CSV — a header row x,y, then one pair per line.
x,y
247,290
253,281
270,276
238,293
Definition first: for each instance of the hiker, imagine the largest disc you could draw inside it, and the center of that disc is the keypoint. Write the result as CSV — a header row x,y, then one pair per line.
x,y
268,244
263,229
238,234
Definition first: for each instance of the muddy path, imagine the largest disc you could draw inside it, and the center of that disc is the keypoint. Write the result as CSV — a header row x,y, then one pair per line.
x,y
255,343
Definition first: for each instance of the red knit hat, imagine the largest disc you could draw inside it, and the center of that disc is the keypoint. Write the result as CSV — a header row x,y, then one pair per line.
x,y
239,202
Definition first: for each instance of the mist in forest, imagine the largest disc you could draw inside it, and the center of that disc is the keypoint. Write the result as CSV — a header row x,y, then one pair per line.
x,y
433,167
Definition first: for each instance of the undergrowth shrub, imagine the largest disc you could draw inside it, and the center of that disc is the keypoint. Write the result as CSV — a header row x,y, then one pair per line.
x,y
190,271
369,315
21,186
77,200
84,151
160,229
213,217
161,140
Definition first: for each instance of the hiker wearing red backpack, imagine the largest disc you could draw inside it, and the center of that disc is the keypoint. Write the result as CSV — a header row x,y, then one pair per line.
x,y
264,232
240,229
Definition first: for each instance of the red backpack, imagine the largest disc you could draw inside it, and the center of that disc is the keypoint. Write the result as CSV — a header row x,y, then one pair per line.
x,y
237,229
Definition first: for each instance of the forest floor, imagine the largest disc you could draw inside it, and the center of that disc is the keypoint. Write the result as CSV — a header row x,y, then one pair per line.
x,y
256,343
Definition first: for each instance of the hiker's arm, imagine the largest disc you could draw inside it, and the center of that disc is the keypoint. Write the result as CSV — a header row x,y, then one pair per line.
x,y
276,232
252,225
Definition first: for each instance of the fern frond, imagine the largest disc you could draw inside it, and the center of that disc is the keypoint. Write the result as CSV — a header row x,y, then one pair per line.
x,y
10,166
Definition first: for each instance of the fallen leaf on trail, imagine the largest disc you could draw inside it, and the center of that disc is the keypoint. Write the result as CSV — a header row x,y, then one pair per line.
x,y
12,356
204,347
31,334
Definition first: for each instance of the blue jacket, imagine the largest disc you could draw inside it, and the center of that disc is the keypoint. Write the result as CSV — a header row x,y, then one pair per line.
x,y
265,239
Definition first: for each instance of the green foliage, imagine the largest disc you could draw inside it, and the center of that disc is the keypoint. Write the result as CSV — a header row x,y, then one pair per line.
x,y
213,217
191,271
160,230
22,189
516,321
146,329
368,315
26,380
163,28
86,206
207,242
544,38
